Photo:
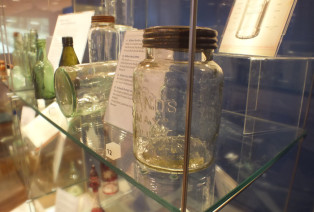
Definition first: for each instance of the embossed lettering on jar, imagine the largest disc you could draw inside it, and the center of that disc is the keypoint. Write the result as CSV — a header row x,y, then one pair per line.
x,y
159,97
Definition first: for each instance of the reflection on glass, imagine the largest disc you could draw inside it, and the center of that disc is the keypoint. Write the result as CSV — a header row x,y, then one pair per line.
x,y
169,186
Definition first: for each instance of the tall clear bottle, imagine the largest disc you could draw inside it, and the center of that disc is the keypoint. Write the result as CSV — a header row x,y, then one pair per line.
x,y
68,56
43,73
17,75
122,10
25,62
32,50
103,39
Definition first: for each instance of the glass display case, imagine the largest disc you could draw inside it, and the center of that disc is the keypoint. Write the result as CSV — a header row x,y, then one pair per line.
x,y
240,159
48,157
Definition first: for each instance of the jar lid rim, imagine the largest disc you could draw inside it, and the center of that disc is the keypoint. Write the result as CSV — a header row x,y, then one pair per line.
x,y
103,18
178,37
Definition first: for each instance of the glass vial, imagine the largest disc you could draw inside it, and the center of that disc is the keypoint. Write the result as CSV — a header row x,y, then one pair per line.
x,y
103,39
159,99
252,18
43,73
68,56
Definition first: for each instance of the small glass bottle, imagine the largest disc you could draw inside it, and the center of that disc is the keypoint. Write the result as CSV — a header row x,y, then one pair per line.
x,y
94,184
103,39
43,73
159,99
68,56
3,71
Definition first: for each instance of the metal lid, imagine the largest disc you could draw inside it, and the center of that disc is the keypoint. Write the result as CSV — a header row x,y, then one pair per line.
x,y
177,37
102,18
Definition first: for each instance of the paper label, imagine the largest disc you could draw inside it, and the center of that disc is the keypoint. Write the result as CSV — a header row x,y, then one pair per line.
x,y
256,27
119,110
75,25
66,201
27,115
113,151
39,131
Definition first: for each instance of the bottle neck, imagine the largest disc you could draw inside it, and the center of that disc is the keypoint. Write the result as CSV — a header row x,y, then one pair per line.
x,y
178,55
68,45
41,52
18,44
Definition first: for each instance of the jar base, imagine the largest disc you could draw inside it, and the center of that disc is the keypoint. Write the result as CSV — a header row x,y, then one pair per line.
x,y
166,154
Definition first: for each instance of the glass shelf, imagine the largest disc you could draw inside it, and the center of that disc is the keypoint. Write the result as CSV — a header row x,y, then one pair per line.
x,y
240,158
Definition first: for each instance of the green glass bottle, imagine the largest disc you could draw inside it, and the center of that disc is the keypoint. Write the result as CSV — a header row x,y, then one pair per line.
x,y
68,57
43,73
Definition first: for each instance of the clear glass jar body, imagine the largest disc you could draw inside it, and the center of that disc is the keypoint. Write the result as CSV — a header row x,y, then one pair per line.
x,y
159,96
84,89
103,42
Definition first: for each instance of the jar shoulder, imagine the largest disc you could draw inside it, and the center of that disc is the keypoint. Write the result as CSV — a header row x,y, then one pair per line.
x,y
170,65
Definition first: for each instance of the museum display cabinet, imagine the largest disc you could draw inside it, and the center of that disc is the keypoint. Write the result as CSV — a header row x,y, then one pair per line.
x,y
48,158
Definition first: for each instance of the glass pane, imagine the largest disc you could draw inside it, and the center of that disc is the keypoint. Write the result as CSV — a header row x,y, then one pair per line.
x,y
240,159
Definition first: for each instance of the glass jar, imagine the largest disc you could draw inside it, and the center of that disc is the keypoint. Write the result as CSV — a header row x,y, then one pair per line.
x,y
84,89
159,97
103,39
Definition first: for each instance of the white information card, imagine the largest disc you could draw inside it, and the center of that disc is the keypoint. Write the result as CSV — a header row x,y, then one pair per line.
x,y
256,27
66,201
119,110
75,25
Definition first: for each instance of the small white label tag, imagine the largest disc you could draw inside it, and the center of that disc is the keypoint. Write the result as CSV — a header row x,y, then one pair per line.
x,y
47,131
66,201
113,151
28,114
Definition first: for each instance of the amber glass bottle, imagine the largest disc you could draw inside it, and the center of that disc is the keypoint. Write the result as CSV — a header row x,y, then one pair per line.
x,y
68,57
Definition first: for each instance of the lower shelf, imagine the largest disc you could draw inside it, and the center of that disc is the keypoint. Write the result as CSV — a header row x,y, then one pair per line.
x,y
240,159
